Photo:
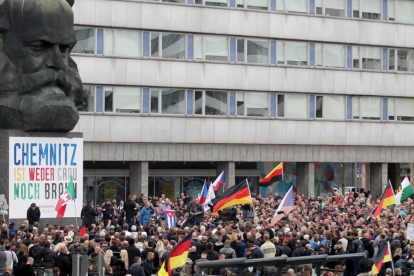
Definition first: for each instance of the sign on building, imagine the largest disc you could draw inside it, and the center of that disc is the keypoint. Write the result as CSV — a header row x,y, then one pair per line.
x,y
40,170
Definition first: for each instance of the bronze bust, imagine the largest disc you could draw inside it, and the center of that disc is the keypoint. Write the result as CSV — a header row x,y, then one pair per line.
x,y
39,81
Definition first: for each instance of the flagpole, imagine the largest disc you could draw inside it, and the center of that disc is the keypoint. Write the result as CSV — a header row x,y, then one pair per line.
x,y
392,261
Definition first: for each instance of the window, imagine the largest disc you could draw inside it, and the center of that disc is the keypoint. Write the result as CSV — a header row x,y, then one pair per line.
x,y
330,7
240,50
366,108
127,100
86,103
175,1
296,106
220,3
405,60
404,11
155,101
85,38
109,99
216,103
280,5
216,48
391,10
257,51
391,109
280,105
155,44
122,43
405,109
367,9
252,104
330,55
280,52
198,102
300,6
296,53
330,107
391,59
257,4
173,46
368,57
173,101
198,47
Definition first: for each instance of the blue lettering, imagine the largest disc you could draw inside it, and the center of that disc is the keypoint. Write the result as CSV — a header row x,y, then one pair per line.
x,y
60,154
52,154
72,162
16,161
25,154
66,153
43,154
33,154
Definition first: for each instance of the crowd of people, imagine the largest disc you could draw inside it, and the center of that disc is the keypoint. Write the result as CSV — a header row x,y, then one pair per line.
x,y
133,237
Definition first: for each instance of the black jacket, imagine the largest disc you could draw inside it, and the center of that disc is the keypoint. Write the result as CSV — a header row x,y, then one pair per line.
x,y
212,255
149,268
26,270
88,215
156,256
130,207
108,211
368,246
64,263
35,253
132,253
299,252
49,258
33,215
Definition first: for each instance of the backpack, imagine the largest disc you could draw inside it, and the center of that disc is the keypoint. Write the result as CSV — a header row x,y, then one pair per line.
x,y
228,256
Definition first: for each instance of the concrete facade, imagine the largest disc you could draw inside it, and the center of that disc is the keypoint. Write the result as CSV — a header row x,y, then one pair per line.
x,y
144,139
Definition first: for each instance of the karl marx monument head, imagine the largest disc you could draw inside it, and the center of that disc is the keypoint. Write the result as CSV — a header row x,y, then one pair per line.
x,y
39,81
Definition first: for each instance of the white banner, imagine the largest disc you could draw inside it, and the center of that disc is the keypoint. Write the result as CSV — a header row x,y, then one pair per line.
x,y
40,169
410,232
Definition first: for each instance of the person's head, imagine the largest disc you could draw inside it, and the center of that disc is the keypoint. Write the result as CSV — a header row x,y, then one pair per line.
x,y
30,261
388,271
398,272
56,271
37,38
150,256
137,260
33,206
204,254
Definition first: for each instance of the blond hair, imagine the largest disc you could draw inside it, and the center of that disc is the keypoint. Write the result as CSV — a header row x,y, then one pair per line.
x,y
124,258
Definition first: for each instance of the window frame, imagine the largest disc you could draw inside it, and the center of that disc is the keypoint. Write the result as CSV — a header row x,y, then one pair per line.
x,y
369,19
323,108
360,58
94,99
324,10
95,37
113,89
285,9
324,56
204,52
160,34
359,109
285,51
115,30
269,98
245,6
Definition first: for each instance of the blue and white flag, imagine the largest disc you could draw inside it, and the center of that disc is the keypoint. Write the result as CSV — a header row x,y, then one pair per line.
x,y
169,218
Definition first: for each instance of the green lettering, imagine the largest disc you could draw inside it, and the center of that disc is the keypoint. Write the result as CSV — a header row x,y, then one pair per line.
x,y
23,191
16,190
29,194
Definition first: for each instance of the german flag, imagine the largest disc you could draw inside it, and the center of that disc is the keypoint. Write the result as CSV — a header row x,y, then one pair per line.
x,y
178,256
236,195
383,256
275,175
387,199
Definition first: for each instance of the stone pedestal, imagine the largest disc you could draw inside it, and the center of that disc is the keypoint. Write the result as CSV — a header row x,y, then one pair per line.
x,y
4,169
138,175
306,179
378,178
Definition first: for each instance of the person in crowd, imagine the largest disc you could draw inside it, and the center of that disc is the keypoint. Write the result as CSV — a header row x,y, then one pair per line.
x,y
334,225
33,214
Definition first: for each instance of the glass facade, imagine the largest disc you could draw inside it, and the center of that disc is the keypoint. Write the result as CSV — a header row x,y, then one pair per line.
x,y
98,188
219,48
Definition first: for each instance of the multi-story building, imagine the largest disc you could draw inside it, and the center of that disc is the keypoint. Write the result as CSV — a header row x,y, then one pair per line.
x,y
177,91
